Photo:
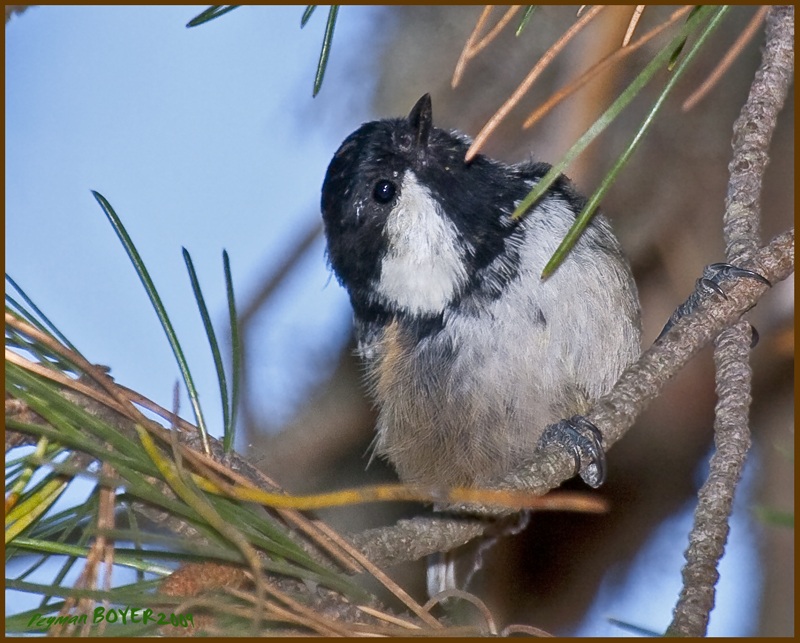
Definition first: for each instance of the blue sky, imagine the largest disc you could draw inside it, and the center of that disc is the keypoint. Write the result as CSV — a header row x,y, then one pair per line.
x,y
206,138
209,138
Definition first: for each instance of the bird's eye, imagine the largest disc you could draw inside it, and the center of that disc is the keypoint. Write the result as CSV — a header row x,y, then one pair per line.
x,y
384,191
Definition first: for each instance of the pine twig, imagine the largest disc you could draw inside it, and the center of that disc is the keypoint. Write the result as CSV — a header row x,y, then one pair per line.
x,y
753,132
715,500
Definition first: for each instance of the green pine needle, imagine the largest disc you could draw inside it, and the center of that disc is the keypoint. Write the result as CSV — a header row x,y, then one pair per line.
x,y
593,132
327,39
307,14
594,201
212,336
161,311
213,12
525,18
236,359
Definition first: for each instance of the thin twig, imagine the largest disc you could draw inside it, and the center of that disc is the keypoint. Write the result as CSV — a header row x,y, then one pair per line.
x,y
279,274
470,51
256,303
383,616
105,521
239,471
728,59
470,598
381,576
523,88
637,14
97,373
470,45
643,381
60,378
174,419
508,630
595,69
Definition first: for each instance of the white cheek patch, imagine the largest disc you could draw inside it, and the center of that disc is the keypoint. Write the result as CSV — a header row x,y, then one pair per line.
x,y
424,263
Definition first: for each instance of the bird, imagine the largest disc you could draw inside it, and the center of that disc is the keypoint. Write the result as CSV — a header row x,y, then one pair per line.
x,y
469,355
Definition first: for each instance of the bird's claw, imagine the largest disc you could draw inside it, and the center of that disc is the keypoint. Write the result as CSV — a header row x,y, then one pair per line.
x,y
718,271
709,284
585,442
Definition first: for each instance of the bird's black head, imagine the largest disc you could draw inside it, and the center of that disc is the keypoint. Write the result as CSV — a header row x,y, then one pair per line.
x,y
409,224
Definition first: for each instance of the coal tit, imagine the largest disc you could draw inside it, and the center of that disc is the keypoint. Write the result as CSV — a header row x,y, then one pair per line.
x,y
469,354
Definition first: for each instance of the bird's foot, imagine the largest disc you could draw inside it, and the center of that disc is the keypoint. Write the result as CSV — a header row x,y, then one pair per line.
x,y
585,442
708,285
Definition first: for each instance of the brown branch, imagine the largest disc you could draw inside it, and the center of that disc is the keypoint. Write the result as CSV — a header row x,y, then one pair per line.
x,y
715,499
279,274
416,538
753,132
255,304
